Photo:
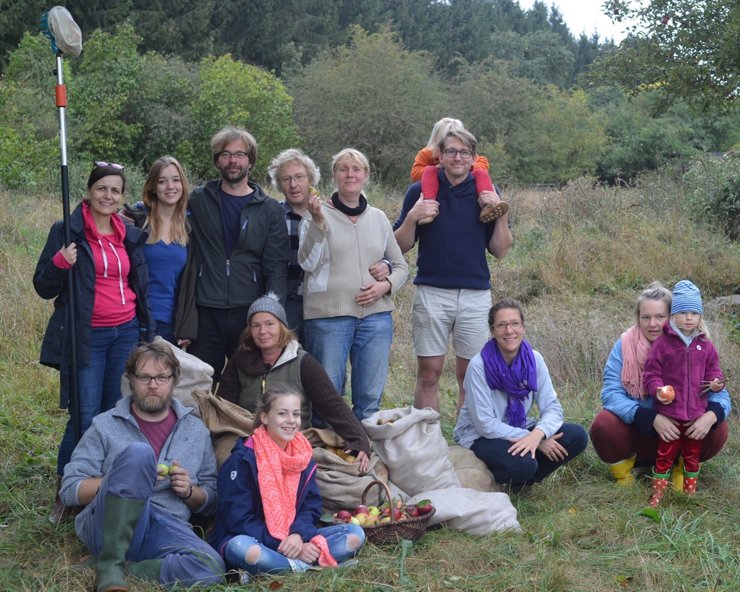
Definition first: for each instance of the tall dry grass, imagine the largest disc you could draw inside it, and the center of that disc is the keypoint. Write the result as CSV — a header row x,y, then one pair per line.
x,y
580,257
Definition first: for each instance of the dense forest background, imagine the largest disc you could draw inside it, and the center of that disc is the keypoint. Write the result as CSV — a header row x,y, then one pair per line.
x,y
161,76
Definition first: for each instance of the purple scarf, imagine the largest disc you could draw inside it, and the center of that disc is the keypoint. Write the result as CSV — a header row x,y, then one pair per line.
x,y
517,380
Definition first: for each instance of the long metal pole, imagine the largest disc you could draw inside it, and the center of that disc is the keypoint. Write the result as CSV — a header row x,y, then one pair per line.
x,y
61,100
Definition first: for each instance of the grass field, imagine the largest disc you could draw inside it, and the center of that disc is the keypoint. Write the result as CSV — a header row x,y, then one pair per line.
x,y
581,255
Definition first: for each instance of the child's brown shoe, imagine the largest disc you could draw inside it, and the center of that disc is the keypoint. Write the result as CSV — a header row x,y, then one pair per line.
x,y
491,212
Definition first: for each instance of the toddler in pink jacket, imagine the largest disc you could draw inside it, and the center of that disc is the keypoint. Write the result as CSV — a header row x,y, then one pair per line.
x,y
681,368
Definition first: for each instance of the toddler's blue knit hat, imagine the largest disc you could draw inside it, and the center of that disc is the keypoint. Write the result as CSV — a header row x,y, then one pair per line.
x,y
686,298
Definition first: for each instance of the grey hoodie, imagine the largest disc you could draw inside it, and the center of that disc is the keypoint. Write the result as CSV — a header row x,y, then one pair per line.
x,y
189,443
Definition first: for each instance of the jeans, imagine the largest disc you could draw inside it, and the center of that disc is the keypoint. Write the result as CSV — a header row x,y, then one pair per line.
x,y
158,535
367,344
271,561
166,331
99,383
525,470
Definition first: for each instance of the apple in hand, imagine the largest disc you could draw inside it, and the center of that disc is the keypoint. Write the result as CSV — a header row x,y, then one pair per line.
x,y
163,469
666,394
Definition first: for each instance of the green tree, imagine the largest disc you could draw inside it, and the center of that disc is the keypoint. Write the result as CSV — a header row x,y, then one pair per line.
x,y
373,95
689,49
29,129
229,92
640,136
104,97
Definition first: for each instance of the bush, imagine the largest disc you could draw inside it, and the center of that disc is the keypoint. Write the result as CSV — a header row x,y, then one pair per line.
x,y
713,192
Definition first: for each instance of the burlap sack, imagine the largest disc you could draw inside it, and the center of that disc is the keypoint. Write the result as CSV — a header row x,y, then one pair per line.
x,y
226,421
194,374
340,482
470,511
410,443
472,471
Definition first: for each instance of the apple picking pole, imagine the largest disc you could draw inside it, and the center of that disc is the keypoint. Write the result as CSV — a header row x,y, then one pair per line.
x,y
61,100
60,28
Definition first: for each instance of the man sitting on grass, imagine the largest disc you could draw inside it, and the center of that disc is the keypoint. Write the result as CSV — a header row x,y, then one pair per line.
x,y
136,516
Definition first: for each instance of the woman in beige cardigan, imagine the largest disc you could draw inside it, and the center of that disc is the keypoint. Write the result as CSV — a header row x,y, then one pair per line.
x,y
347,312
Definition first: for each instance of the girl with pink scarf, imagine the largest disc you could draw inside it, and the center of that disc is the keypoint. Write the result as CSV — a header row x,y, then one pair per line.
x,y
269,502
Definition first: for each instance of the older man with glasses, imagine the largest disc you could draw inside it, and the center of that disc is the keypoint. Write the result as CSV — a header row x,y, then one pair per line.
x,y
141,470
452,280
240,249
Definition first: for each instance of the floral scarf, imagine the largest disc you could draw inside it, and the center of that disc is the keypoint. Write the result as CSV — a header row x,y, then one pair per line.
x,y
516,380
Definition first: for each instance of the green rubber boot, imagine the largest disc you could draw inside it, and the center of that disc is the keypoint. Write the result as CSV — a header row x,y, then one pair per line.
x,y
145,570
121,516
622,471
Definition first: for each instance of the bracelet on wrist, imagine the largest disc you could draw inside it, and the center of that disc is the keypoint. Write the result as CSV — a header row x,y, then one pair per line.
x,y
190,493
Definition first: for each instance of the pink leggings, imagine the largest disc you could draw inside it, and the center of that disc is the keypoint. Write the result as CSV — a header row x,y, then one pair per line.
x,y
430,181
615,441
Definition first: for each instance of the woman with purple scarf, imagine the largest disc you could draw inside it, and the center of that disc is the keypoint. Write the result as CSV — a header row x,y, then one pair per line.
x,y
501,384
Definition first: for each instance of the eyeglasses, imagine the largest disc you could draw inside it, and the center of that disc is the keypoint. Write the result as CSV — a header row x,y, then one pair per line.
x,y
226,155
108,165
452,153
159,378
513,324
297,178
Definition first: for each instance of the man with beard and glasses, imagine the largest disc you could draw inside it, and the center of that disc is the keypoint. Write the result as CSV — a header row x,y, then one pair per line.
x,y
240,248
141,470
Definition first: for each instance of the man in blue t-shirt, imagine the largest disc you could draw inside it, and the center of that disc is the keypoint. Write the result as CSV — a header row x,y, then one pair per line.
x,y
453,288
240,247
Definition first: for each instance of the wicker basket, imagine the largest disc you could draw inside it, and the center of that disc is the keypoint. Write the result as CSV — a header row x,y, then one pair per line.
x,y
411,529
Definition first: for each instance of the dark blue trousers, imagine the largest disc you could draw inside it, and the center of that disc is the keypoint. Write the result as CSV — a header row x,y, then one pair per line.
x,y
524,470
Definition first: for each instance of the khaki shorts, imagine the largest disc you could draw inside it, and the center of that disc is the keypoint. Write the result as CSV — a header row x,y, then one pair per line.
x,y
441,312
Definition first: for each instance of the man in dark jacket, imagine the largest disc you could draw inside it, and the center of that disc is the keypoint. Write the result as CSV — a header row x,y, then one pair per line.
x,y
240,248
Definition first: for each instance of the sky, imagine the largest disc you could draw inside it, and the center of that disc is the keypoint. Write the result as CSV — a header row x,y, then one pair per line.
x,y
583,15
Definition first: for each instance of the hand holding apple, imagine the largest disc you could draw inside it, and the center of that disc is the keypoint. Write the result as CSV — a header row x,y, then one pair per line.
x,y
666,394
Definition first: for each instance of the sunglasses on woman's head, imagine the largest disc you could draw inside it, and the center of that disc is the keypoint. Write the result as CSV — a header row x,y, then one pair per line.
x,y
112,165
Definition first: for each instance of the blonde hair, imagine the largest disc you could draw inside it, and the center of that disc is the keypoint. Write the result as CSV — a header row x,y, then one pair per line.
x,y
179,229
655,291
350,154
439,131
701,326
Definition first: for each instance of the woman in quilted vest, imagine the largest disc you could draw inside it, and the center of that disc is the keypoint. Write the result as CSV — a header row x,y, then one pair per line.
x,y
270,355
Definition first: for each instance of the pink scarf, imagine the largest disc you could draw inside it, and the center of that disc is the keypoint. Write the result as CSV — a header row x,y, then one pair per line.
x,y
278,474
635,350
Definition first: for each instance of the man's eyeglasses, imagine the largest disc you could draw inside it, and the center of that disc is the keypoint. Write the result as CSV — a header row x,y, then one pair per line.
x,y
159,378
108,165
502,326
452,153
297,178
226,155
